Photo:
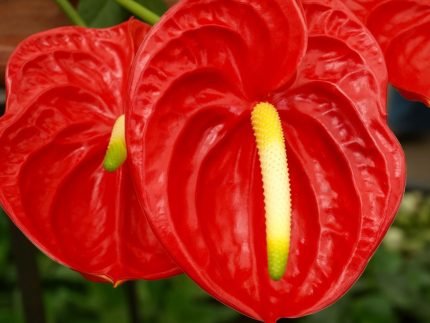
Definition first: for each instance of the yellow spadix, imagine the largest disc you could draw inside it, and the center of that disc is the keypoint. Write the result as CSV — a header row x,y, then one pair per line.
x,y
276,185
116,153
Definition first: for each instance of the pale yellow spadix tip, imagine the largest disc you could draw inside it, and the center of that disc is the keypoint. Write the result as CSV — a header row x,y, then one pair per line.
x,y
276,185
116,153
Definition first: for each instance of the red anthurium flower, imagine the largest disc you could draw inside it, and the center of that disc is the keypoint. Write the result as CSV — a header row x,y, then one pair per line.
x,y
65,89
270,185
402,28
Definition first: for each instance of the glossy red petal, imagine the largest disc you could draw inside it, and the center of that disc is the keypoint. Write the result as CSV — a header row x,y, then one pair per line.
x,y
197,170
402,28
244,40
65,90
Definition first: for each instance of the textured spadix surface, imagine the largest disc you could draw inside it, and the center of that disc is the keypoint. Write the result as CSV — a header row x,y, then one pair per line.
x,y
402,28
272,155
196,78
65,89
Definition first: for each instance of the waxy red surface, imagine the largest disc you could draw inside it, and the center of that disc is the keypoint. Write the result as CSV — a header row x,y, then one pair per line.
x,y
65,89
402,28
195,80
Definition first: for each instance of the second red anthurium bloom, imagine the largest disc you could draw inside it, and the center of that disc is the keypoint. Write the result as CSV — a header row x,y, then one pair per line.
x,y
260,149
402,29
65,97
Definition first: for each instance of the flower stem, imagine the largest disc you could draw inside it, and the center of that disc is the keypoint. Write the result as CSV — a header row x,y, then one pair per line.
x,y
71,12
139,11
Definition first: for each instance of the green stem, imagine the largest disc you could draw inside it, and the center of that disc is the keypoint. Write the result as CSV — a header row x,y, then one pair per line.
x,y
139,11
71,12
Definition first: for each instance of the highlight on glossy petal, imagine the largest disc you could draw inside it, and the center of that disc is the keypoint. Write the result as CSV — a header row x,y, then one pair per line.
x,y
276,185
116,153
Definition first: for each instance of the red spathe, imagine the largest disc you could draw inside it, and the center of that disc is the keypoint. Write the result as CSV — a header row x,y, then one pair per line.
x,y
402,29
65,89
195,80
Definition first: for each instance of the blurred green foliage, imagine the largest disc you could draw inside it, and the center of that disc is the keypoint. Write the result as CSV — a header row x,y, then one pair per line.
x,y
105,13
395,287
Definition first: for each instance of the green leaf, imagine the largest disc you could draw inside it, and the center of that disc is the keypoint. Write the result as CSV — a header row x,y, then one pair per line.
x,y
157,6
105,13
101,13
